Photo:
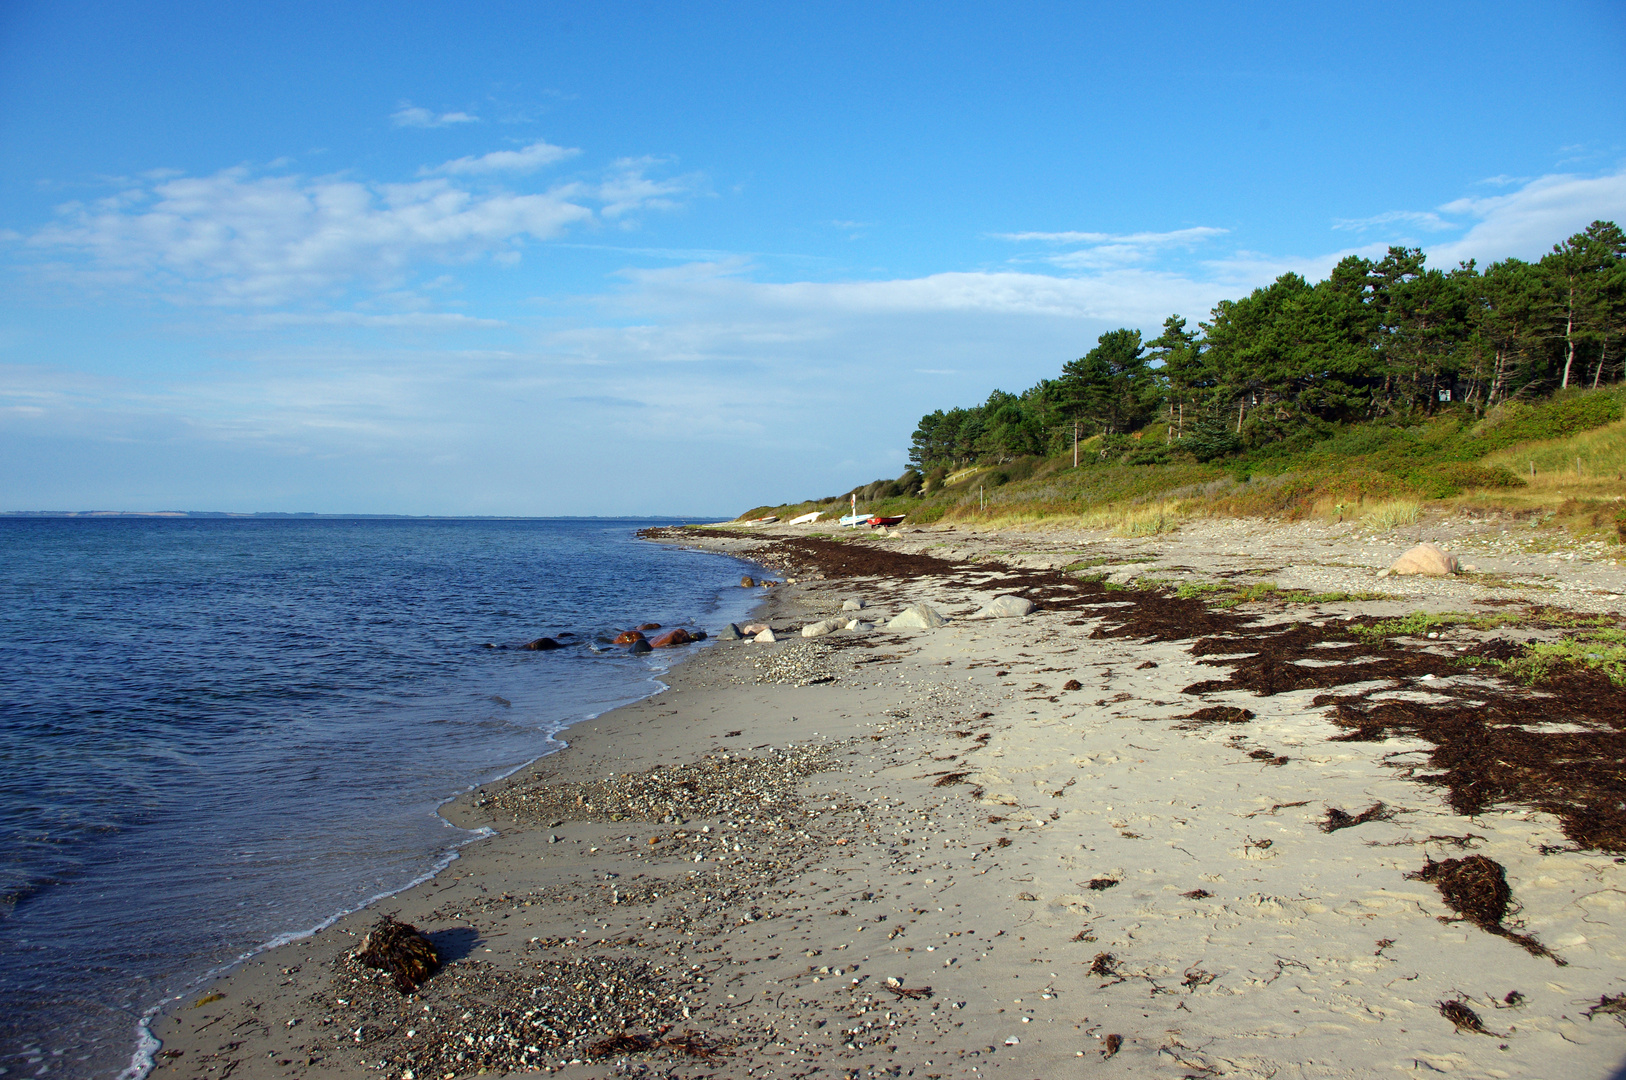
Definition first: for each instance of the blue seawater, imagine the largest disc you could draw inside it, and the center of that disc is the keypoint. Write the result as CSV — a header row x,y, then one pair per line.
x,y
219,733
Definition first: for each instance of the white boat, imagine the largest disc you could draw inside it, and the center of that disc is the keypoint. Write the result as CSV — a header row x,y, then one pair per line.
x,y
805,519
852,520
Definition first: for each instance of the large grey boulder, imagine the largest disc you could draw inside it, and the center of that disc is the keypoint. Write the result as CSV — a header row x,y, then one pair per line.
x,y
917,617
1005,607
853,605
730,633
823,627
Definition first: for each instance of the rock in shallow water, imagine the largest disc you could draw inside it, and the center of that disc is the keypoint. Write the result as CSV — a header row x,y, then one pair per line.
x,y
679,636
640,646
627,637
542,644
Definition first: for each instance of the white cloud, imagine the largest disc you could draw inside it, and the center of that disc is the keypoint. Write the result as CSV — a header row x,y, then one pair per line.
x,y
1139,239
533,157
1124,296
628,189
406,320
1101,251
413,116
245,239
1527,223
1421,219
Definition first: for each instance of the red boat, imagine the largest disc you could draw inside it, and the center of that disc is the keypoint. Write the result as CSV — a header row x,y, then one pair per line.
x,y
885,522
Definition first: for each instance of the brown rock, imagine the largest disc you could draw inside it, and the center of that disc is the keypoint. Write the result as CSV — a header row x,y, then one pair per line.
x,y
627,637
679,636
542,644
748,582
650,626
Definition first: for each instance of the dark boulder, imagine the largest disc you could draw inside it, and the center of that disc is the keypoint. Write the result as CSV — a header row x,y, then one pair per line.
x,y
640,646
542,644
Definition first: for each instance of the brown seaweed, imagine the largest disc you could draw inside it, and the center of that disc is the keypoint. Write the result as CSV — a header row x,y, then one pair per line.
x,y
1476,888
399,949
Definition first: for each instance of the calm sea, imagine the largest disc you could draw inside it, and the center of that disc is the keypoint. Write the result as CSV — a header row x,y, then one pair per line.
x,y
219,733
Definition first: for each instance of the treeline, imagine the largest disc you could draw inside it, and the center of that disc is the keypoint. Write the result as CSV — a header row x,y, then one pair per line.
x,y
1387,340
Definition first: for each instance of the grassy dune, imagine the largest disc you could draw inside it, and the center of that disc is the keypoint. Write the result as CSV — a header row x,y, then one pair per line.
x,y
1561,461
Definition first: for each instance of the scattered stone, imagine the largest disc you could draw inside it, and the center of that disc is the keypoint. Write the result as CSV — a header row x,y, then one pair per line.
x,y
667,640
823,627
640,646
766,636
860,625
752,629
730,633
542,644
627,637
1425,558
748,582
853,605
650,626
1005,607
917,617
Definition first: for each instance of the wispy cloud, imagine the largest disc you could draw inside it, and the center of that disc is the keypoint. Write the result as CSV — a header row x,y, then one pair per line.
x,y
242,238
1421,219
1526,223
414,116
628,188
405,320
1100,250
531,158
1139,239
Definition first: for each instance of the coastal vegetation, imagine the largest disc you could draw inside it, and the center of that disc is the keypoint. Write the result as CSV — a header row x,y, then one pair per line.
x,y
1369,395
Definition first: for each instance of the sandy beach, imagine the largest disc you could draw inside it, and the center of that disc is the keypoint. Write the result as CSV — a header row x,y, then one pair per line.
x,y
1129,833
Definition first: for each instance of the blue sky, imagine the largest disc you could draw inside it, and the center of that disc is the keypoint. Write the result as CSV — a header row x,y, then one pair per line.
x,y
614,258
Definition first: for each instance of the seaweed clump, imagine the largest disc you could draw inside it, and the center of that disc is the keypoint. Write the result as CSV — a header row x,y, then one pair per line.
x,y
1342,819
1463,1018
399,949
1476,888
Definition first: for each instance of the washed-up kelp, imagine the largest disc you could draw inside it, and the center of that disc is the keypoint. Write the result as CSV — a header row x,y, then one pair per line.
x,y
399,949
1476,888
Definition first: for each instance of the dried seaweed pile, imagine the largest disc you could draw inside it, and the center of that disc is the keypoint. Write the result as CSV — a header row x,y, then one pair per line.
x,y
1493,742
473,1017
1476,888
1342,819
717,785
400,950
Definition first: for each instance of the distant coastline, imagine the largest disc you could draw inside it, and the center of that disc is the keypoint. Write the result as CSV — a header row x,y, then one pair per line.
x,y
303,516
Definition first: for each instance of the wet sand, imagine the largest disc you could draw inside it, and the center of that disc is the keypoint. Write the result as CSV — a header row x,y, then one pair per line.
x,y
1098,838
